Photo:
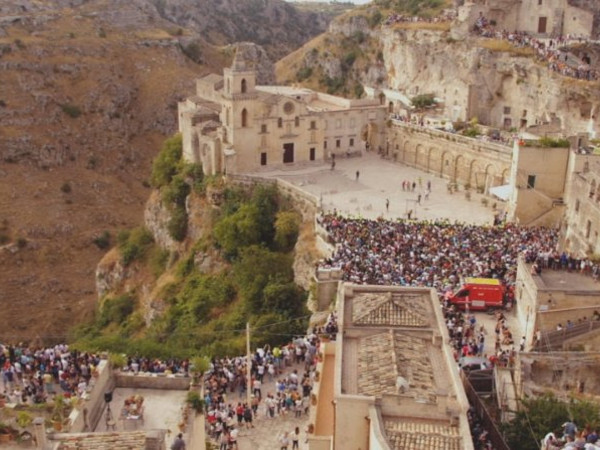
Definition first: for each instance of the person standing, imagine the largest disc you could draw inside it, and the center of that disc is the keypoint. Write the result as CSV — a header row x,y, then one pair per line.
x,y
296,438
357,174
284,440
178,443
387,205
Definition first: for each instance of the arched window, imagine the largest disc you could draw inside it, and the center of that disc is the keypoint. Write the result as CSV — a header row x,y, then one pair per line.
x,y
391,107
244,118
243,85
296,121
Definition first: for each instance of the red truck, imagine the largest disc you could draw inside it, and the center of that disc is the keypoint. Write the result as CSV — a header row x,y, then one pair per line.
x,y
478,294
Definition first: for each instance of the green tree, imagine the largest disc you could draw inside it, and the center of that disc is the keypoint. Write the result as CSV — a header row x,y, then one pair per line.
x,y
539,416
238,230
176,191
287,227
257,267
165,165
287,299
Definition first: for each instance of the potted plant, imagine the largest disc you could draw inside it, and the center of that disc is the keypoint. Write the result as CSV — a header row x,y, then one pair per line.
x,y
196,401
6,432
58,412
24,419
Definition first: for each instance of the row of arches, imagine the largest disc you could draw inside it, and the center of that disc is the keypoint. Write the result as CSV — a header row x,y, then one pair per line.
x,y
458,168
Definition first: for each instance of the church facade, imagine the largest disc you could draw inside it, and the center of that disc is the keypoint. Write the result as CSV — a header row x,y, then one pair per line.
x,y
232,125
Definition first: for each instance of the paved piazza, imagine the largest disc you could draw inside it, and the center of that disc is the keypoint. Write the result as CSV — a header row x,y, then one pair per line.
x,y
379,180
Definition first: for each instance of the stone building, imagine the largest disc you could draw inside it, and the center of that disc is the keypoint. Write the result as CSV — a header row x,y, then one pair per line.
x,y
545,18
581,223
395,384
233,125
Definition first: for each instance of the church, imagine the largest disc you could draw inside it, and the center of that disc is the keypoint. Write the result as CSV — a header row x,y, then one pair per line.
x,y
232,125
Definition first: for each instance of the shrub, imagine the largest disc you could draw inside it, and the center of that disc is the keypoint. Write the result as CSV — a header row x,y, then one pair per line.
x,y
133,245
102,241
165,165
193,51
4,239
66,187
71,110
287,227
471,132
304,73
21,242
375,18
423,101
196,401
158,260
116,310
176,192
177,226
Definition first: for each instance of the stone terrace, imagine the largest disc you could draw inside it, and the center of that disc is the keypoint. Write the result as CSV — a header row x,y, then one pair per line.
x,y
406,434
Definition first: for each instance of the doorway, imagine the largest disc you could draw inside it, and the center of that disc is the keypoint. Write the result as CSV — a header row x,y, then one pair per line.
x,y
288,153
312,154
542,21
263,159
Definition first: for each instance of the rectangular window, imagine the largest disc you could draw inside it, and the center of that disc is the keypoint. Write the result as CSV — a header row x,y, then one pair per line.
x,y
263,159
312,154
351,142
338,123
313,125
530,181
507,110
263,128
352,122
338,143
588,229
540,2
325,145
280,123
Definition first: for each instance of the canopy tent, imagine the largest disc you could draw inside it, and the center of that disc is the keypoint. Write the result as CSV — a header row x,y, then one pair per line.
x,y
502,192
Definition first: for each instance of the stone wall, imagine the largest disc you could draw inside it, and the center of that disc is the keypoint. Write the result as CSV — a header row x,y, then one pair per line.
x,y
151,381
86,417
457,158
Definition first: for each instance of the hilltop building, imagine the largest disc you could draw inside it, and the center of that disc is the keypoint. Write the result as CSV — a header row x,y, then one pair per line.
x,y
233,125
544,18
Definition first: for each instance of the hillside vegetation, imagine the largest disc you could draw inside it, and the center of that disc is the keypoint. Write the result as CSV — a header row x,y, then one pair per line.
x,y
254,232
88,92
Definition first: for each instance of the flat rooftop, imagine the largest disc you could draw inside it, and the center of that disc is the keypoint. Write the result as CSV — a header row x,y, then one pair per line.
x,y
562,280
162,410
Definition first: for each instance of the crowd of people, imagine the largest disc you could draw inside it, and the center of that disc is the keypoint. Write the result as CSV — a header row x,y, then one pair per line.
x,y
435,254
290,367
572,438
551,51
394,18
32,375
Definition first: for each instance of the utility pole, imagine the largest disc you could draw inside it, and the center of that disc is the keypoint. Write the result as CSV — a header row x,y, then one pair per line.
x,y
248,366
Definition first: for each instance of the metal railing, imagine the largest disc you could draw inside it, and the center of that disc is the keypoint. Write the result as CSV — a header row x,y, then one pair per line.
x,y
554,340
488,423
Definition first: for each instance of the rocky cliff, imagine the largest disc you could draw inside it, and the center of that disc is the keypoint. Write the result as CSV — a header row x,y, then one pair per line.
x,y
88,92
473,77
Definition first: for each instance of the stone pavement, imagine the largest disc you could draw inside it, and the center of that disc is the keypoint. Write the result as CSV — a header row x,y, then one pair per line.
x,y
379,180
266,431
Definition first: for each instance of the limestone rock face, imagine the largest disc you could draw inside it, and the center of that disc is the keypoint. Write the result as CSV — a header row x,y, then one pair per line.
x,y
110,273
474,81
156,219
258,56
349,25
